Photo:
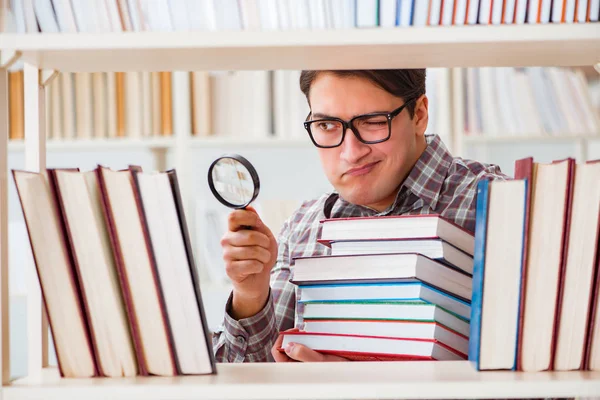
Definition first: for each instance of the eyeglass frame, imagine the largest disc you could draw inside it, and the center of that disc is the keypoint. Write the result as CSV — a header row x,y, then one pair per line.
x,y
349,125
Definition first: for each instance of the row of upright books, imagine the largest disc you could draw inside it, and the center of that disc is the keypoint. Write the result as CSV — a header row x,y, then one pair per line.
x,y
116,271
528,101
146,104
521,294
51,16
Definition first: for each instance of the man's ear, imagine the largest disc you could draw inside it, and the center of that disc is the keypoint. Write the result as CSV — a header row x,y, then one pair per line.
x,y
421,115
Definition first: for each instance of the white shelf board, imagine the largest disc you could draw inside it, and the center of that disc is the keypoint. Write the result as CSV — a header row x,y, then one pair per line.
x,y
483,139
98,144
318,381
414,47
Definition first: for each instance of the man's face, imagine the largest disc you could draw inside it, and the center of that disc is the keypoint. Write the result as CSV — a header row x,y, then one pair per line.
x,y
363,174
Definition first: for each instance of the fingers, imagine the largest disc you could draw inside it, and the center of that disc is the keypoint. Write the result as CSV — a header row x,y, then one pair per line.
x,y
241,269
245,238
257,253
238,219
300,352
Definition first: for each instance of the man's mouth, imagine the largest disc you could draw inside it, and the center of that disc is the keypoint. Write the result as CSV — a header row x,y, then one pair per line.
x,y
362,170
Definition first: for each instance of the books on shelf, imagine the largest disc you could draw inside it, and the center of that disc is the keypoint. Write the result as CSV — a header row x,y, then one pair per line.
x,y
117,273
528,102
273,15
536,269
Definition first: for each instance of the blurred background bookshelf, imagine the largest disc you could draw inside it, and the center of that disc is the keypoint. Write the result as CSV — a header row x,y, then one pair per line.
x,y
156,119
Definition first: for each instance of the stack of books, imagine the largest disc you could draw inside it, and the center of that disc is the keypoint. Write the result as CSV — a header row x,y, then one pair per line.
x,y
116,270
393,288
536,274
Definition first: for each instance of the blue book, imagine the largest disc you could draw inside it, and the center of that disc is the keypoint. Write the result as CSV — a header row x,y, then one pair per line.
x,y
497,274
478,267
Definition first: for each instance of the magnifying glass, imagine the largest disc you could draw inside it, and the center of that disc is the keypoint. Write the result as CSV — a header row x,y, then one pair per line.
x,y
233,181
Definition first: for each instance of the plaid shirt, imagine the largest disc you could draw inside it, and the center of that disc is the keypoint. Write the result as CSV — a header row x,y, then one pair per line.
x,y
438,184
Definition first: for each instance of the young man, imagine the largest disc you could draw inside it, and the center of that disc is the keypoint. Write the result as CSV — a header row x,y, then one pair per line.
x,y
369,129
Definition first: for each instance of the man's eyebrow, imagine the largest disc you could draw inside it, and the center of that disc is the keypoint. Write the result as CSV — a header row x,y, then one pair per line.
x,y
321,116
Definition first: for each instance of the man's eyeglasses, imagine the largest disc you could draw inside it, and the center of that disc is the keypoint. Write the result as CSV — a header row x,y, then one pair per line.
x,y
368,128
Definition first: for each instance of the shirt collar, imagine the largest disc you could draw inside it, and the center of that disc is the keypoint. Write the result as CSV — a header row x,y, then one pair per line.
x,y
425,180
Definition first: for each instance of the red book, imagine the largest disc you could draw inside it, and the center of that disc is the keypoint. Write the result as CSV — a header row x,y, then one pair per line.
x,y
372,348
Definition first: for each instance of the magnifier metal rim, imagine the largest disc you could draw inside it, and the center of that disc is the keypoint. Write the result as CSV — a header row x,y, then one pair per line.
x,y
253,175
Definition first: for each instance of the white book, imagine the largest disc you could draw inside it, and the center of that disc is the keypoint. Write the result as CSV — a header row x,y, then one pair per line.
x,y
349,11
133,106
174,273
435,12
387,13
328,13
406,12
269,19
520,11
420,9
84,109
509,11
485,9
557,10
570,11
29,13
582,7
447,12
300,14
594,11
317,14
114,17
45,16
473,12
100,104
86,22
64,16
146,100
460,14
533,8
283,11
366,13
135,13
249,14
19,15
102,16
497,12
180,15
197,17
111,111
545,10
227,14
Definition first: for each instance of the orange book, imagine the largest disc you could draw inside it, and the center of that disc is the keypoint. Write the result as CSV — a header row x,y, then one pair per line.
x,y
120,83
16,106
166,103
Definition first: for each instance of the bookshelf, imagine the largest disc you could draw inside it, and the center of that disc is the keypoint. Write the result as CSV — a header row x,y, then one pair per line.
x,y
454,47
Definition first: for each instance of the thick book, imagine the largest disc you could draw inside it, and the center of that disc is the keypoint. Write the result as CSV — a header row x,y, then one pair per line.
x,y
385,310
435,249
402,267
166,230
392,329
497,277
550,187
580,266
383,292
431,226
139,283
369,348
81,208
59,288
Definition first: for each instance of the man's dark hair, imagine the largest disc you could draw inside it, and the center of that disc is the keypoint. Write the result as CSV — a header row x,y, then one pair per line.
x,y
403,83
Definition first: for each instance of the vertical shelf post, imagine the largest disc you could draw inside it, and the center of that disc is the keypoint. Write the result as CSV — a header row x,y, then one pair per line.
x,y
35,161
457,111
4,293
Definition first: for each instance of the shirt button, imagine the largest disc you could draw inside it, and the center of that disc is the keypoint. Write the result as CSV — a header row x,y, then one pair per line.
x,y
241,339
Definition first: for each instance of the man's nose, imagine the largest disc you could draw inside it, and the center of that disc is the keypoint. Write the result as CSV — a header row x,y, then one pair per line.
x,y
352,148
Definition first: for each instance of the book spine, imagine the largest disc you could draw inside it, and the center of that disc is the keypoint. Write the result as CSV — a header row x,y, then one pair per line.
x,y
478,272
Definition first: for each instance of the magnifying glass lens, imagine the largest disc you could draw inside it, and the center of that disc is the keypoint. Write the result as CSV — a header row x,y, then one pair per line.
x,y
233,181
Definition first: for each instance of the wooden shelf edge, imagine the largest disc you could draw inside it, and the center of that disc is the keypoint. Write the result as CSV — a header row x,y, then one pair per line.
x,y
98,144
319,381
527,138
414,47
